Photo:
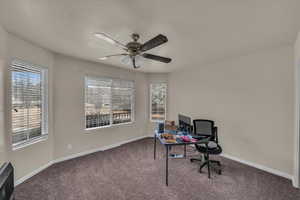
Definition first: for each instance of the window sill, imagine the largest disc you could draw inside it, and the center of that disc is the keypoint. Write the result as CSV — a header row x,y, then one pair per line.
x,y
28,143
88,130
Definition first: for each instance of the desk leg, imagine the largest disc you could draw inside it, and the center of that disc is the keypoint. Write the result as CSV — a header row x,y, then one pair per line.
x,y
167,164
154,147
185,151
208,162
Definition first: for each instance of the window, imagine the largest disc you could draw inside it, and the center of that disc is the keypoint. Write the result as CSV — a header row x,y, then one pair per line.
x,y
158,99
29,103
108,102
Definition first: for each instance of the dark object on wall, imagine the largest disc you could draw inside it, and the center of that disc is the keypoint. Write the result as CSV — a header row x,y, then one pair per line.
x,y
6,182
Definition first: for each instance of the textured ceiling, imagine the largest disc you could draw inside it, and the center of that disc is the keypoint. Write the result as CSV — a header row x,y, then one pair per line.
x,y
199,31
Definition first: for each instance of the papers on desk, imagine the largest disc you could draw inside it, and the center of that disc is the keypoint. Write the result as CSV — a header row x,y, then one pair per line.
x,y
171,138
168,137
171,141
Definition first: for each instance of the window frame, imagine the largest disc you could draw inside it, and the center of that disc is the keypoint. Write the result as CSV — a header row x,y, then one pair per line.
x,y
45,103
150,102
111,114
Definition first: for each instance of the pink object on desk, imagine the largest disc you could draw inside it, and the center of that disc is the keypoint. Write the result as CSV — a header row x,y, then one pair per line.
x,y
194,140
186,138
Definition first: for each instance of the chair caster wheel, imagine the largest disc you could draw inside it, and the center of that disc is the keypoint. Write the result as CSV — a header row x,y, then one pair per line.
x,y
219,172
191,160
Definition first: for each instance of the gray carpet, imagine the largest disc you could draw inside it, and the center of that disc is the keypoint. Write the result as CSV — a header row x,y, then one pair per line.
x,y
129,172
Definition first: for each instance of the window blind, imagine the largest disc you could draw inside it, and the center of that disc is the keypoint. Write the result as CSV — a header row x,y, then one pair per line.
x,y
158,101
122,101
27,103
108,101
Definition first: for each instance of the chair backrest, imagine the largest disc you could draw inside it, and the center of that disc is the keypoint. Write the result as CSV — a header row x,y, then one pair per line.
x,y
204,127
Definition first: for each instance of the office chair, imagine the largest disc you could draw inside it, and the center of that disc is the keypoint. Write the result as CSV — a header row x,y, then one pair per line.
x,y
206,128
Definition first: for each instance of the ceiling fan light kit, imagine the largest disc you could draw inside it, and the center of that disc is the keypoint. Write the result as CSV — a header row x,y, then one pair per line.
x,y
135,50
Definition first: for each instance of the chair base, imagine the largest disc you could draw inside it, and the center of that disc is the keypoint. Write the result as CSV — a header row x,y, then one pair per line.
x,y
196,159
199,159
209,164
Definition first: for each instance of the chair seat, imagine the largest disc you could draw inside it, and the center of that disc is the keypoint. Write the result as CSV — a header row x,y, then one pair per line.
x,y
212,148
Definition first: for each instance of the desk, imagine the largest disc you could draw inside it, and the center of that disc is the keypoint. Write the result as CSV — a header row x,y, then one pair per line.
x,y
168,145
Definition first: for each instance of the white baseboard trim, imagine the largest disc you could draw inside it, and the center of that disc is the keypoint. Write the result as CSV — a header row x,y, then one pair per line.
x,y
296,183
261,167
98,149
24,178
38,170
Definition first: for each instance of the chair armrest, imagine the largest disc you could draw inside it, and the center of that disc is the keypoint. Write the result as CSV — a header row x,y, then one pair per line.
x,y
216,134
191,129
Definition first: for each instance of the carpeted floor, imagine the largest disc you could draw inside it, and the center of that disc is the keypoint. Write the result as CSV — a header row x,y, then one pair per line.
x,y
129,172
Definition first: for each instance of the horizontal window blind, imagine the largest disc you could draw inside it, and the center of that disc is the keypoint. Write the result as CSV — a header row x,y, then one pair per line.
x,y
27,103
122,101
108,101
158,101
97,102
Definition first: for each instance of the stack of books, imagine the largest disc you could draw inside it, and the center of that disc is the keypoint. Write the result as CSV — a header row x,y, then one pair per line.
x,y
170,126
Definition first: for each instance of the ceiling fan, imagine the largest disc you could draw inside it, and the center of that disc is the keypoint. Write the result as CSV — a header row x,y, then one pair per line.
x,y
134,49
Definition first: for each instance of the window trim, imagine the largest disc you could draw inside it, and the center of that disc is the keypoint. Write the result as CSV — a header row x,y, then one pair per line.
x,y
45,103
87,130
35,140
150,100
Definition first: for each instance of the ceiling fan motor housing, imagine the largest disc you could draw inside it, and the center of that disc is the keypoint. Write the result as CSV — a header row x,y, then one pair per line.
x,y
133,48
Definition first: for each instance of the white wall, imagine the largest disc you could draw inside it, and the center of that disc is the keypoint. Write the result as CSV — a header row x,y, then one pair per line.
x,y
3,48
69,107
30,158
297,113
251,98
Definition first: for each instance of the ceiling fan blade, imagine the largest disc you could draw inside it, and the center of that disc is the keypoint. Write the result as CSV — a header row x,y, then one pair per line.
x,y
157,58
154,42
106,57
110,40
